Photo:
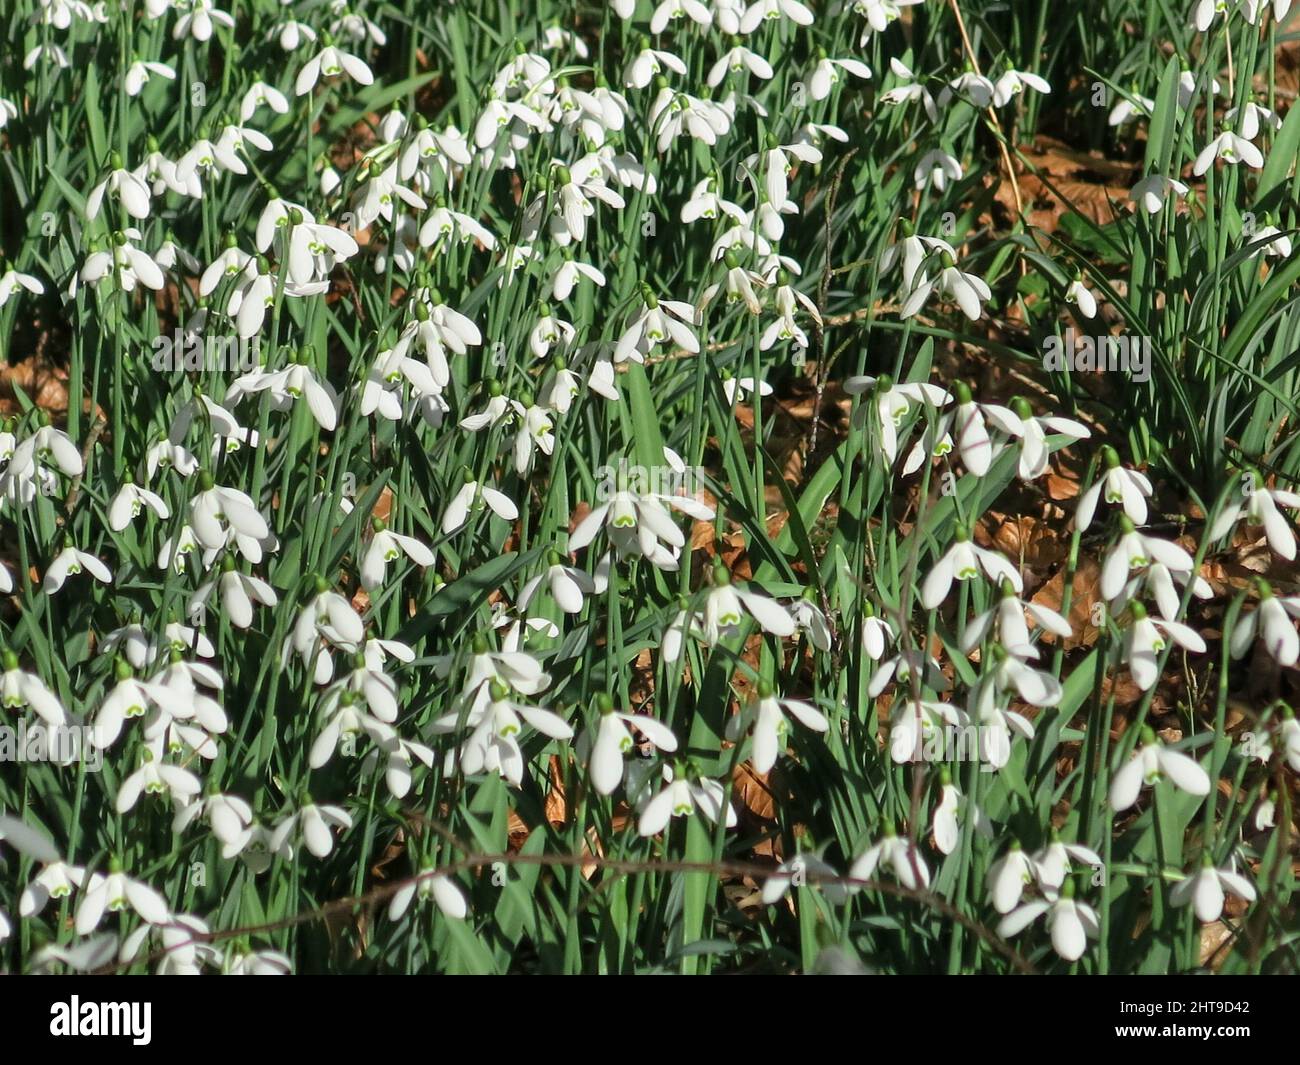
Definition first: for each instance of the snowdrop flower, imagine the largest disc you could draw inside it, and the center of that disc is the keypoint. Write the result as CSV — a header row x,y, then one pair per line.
x,y
681,796
1134,550
1158,580
737,60
385,547
877,634
769,10
493,745
258,963
910,252
1051,864
129,698
1013,82
1150,763
439,887
1145,639
8,110
51,53
897,855
54,882
741,285
1251,118
826,75
261,94
908,90
359,28
343,717
989,703
1189,86
737,387
892,403
205,157
811,621
879,14
936,168
229,816
1019,423
1078,295
471,495
1271,621
1152,191
767,712
640,524
181,942
968,291
795,873
138,73
329,616
130,501
292,34
237,591
1070,923
197,19
613,740
916,726
1269,241
971,86
131,266
1013,633
566,584
1130,106
774,163
946,825
676,114
1008,877
1260,507
1127,487
726,605
331,62
1290,732
1204,12
313,823
216,510
12,280
964,561
1232,149
156,778
69,562
1205,889
114,893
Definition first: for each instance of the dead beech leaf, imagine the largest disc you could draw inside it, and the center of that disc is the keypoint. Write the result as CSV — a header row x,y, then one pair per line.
x,y
1085,594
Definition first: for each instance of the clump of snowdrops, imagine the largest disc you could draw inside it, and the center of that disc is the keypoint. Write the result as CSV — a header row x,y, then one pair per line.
x,y
411,549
